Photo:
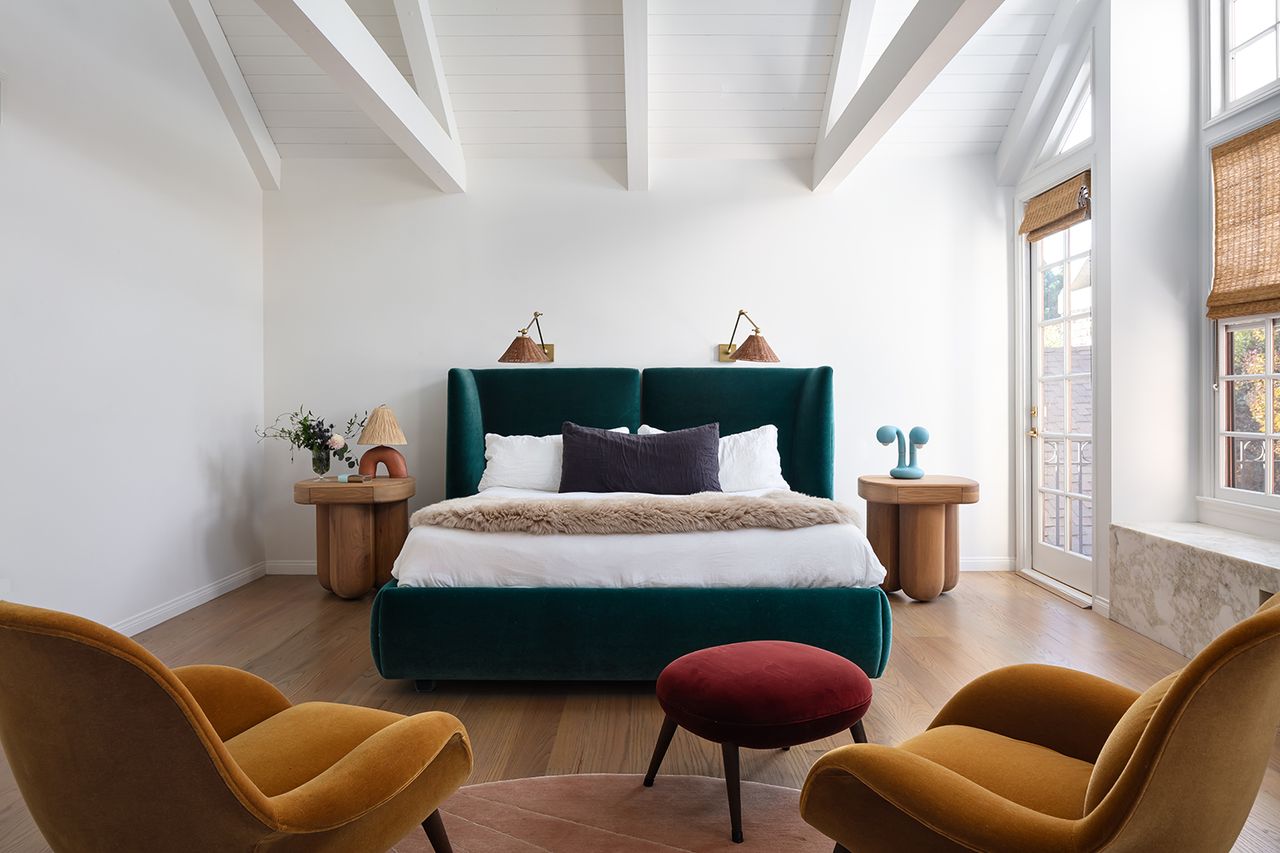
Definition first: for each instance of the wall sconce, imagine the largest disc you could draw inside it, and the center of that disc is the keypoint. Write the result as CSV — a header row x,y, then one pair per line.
x,y
524,351
754,348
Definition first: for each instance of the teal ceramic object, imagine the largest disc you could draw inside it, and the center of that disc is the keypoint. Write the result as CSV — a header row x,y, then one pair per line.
x,y
906,469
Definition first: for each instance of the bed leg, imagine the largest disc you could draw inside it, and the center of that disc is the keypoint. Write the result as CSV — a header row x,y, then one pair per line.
x,y
424,685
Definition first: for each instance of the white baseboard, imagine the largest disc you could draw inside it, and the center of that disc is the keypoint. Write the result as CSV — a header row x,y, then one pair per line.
x,y
986,564
1102,606
291,567
169,609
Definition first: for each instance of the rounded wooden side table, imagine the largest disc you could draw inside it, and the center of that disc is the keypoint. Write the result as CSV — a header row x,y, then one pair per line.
x,y
360,529
914,528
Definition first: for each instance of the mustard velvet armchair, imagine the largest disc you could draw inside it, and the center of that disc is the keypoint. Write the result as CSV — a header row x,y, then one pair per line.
x,y
1052,760
114,751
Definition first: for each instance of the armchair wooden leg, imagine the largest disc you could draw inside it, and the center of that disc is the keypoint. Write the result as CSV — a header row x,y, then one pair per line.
x,y
840,848
859,732
434,826
734,786
660,750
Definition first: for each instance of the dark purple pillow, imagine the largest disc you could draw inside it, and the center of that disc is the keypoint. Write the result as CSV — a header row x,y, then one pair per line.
x,y
683,462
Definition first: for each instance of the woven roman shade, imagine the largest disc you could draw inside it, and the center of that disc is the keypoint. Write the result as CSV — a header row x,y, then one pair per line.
x,y
1057,209
1246,225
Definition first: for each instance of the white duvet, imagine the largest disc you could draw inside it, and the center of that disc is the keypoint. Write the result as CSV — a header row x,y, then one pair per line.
x,y
828,555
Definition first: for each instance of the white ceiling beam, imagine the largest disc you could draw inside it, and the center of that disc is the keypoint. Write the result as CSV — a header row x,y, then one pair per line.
x,y
200,24
419,32
337,40
1054,66
929,38
635,68
846,62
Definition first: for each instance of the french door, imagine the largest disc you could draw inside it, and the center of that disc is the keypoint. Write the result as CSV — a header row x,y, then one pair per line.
x,y
1061,416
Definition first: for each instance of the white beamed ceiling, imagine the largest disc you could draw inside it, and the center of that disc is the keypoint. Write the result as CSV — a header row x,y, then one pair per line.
x,y
727,78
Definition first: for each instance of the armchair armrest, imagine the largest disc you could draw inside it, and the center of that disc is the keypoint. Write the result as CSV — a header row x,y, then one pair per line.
x,y
232,699
377,770
1065,710
874,797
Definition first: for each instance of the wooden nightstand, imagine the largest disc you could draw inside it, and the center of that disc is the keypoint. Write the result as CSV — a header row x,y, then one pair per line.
x,y
360,528
914,528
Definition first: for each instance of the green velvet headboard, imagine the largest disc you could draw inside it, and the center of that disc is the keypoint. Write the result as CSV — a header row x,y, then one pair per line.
x,y
798,400
537,401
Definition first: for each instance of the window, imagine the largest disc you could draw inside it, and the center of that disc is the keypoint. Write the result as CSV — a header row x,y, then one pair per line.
x,y
1252,59
1249,407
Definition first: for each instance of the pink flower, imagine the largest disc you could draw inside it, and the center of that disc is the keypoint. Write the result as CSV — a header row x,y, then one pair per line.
x,y
336,442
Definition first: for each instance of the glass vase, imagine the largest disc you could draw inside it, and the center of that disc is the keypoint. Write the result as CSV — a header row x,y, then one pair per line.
x,y
320,459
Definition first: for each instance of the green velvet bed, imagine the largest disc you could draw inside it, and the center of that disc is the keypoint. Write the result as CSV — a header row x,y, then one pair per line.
x,y
552,634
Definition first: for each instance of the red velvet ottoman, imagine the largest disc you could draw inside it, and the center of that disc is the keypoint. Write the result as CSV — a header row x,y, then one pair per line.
x,y
764,694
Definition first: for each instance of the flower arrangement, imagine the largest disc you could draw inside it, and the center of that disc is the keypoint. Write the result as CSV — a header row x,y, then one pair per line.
x,y
304,431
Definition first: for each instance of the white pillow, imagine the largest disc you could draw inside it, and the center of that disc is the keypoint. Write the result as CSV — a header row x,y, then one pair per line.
x,y
748,460
524,461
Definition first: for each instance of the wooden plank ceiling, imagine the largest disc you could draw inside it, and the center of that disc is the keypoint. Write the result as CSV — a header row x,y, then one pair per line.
x,y
727,78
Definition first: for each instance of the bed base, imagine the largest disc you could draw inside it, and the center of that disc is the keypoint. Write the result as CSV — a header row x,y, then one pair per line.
x,y
557,634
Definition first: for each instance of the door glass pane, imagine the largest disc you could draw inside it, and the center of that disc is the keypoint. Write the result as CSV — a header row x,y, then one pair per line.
x,y
1082,345
1052,415
1254,66
1082,406
1051,284
1246,464
1081,295
1247,410
1275,345
1052,520
1051,352
1081,467
1052,459
1082,527
1248,349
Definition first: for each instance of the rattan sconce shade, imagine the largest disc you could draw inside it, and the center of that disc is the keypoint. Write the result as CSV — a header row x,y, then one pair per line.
x,y
523,350
1246,225
755,348
1057,209
382,428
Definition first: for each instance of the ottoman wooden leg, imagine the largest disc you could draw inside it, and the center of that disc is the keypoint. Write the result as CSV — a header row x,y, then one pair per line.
x,y
859,732
660,750
922,550
734,787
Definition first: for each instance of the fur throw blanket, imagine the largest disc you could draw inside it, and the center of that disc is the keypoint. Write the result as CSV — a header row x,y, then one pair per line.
x,y
707,511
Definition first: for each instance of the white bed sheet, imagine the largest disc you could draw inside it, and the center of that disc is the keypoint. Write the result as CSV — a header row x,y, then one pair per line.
x,y
827,555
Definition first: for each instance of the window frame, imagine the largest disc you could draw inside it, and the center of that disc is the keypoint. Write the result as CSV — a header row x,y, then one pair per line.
x,y
1270,436
1222,66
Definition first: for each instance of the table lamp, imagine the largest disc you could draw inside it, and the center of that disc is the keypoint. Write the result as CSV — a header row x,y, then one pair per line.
x,y
754,348
382,429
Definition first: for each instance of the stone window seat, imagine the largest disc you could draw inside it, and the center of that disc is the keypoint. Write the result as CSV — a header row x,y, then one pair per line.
x,y
1182,584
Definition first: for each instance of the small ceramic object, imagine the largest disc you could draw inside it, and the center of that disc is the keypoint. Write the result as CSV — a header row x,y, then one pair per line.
x,y
905,470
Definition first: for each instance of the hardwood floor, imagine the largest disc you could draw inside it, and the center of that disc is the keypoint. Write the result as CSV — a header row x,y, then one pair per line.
x,y
316,646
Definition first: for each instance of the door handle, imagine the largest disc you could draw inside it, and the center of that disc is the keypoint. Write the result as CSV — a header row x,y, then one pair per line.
x,y
1033,433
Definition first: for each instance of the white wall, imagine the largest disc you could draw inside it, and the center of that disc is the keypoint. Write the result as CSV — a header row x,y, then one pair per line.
x,y
131,326
376,285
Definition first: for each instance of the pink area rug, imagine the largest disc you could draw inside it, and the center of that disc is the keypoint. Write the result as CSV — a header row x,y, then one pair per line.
x,y
610,813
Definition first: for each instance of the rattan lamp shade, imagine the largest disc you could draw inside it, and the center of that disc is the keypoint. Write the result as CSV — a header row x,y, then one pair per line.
x,y
523,351
1246,225
1057,209
755,348
382,428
